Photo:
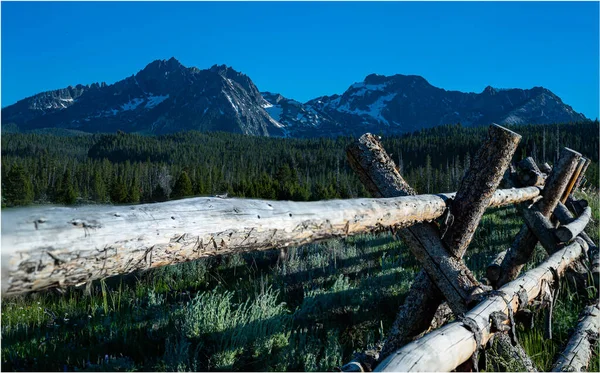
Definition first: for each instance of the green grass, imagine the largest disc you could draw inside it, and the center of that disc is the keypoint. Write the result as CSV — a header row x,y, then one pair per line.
x,y
250,312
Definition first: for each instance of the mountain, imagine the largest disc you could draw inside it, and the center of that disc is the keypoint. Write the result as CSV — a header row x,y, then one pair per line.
x,y
164,97
404,103
168,97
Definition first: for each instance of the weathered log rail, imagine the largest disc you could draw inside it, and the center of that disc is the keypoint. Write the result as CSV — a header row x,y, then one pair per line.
x,y
446,348
58,247
63,246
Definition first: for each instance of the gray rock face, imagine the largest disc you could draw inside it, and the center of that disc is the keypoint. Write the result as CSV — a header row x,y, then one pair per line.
x,y
168,97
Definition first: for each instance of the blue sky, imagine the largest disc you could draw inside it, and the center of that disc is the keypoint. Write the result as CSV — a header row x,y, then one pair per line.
x,y
303,50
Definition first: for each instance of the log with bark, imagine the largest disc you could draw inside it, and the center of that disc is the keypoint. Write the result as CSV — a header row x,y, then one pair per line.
x,y
494,269
545,168
63,246
542,228
446,348
529,174
505,348
523,246
578,353
576,205
378,173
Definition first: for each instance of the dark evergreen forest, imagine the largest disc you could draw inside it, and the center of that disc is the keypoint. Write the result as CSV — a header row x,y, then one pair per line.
x,y
128,168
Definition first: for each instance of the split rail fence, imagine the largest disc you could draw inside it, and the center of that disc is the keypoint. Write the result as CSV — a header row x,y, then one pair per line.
x,y
57,247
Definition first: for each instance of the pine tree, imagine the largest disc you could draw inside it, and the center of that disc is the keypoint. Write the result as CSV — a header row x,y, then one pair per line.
x,y
67,193
17,189
159,194
98,188
118,192
183,186
133,196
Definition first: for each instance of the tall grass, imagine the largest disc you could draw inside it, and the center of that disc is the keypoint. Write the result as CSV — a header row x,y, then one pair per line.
x,y
308,312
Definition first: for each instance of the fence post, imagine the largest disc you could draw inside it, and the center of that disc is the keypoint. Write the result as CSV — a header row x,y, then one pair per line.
x,y
377,172
522,248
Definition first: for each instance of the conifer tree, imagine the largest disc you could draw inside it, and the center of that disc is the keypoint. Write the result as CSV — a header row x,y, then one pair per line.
x,y
183,186
67,193
17,189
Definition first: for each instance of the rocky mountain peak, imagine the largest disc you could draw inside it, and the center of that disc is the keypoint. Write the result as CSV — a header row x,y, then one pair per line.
x,y
165,96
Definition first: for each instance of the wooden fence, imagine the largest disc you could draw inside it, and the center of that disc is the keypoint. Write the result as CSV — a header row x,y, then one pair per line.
x,y
58,246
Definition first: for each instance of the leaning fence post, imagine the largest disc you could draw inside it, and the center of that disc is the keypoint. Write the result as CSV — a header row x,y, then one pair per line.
x,y
377,171
522,248
582,174
573,182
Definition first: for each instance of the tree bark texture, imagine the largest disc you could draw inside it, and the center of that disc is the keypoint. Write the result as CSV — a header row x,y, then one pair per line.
x,y
529,174
478,186
505,348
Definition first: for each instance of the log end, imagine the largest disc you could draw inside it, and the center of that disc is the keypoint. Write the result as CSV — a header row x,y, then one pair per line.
x,y
563,234
493,272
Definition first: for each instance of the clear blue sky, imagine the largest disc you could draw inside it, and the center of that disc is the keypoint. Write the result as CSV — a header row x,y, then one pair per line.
x,y
304,50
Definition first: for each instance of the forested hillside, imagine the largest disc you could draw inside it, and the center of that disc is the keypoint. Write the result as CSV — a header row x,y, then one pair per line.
x,y
128,168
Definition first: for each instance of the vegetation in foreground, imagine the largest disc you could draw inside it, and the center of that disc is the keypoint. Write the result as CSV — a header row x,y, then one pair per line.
x,y
255,312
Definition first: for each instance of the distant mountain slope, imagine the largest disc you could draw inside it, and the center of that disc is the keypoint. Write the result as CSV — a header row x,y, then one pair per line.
x,y
168,97
164,97
402,103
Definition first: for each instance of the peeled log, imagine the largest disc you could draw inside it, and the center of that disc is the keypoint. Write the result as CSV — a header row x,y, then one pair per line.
x,y
567,232
62,246
446,348
579,350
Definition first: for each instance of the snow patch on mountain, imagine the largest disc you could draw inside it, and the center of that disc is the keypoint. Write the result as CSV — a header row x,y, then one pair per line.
x,y
132,104
363,88
231,102
274,112
374,110
155,100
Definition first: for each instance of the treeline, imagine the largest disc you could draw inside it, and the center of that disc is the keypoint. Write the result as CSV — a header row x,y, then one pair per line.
x,y
129,168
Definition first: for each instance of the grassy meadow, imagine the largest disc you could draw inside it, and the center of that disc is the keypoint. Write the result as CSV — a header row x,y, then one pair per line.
x,y
256,311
